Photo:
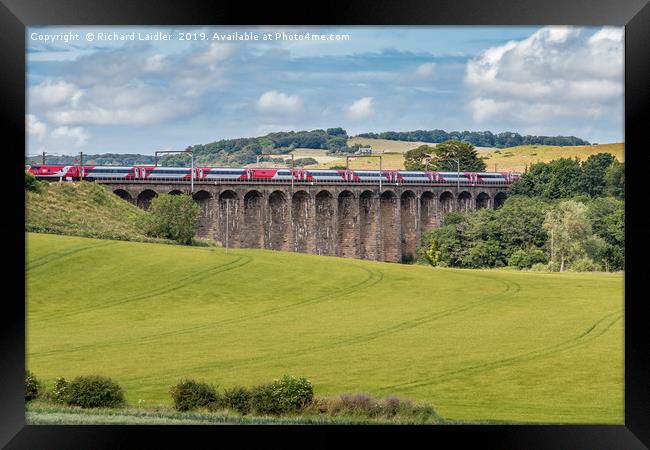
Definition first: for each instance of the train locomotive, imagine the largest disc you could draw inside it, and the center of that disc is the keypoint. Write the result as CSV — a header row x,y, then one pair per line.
x,y
89,172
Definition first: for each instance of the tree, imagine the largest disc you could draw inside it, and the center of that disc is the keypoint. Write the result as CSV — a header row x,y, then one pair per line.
x,y
173,217
593,173
615,179
444,153
560,178
568,228
416,159
607,217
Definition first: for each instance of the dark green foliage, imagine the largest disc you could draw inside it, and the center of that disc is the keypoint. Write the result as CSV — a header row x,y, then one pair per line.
x,y
598,175
337,167
478,138
32,184
33,386
443,155
286,395
615,180
293,393
94,392
263,400
238,399
416,159
483,254
516,235
172,217
191,394
607,217
241,151
525,258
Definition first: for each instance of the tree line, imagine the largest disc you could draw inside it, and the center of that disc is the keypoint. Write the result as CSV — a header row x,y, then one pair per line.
x,y
561,215
478,138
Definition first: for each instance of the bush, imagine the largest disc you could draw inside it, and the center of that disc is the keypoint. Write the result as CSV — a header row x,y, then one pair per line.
x,y
539,267
263,400
237,399
526,258
172,217
32,184
190,394
94,392
584,265
286,395
292,394
33,387
60,391
359,404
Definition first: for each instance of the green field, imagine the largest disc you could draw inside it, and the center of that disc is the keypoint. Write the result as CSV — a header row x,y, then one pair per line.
x,y
477,344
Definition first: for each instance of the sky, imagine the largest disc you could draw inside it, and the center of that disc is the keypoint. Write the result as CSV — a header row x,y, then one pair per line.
x,y
117,90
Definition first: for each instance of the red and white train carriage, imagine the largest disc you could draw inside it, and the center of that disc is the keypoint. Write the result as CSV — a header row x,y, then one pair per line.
x,y
61,172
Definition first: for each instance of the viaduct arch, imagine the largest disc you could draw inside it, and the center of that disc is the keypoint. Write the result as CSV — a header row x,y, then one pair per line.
x,y
352,221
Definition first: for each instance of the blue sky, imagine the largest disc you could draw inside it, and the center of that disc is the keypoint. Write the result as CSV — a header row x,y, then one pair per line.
x,y
139,96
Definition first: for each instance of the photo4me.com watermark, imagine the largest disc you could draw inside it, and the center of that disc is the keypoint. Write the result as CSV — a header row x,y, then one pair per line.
x,y
111,36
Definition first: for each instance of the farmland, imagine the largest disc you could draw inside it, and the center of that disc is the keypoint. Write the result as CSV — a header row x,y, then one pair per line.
x,y
514,159
477,344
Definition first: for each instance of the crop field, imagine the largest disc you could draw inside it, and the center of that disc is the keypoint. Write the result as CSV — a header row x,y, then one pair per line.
x,y
517,158
514,159
478,345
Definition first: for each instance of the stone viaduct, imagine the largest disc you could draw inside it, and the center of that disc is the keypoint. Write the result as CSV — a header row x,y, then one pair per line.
x,y
348,220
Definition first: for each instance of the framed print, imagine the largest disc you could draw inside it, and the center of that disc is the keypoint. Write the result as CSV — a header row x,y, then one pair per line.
x,y
370,218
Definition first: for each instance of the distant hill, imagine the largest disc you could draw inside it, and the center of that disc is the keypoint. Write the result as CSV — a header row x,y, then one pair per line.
x,y
331,142
514,159
477,138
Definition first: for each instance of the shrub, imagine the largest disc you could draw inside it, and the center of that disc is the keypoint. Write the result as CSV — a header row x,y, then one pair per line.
x,y
32,184
237,399
539,267
391,406
584,265
172,217
286,395
263,400
190,394
33,387
292,394
359,404
526,258
94,392
60,391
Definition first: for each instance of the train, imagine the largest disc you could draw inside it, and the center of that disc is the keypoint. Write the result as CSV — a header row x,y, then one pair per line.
x,y
91,173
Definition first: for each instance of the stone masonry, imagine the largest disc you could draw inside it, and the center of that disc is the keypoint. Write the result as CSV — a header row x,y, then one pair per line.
x,y
352,221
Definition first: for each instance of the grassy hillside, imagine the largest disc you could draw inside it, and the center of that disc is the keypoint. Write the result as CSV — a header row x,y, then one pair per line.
x,y
517,158
387,145
506,159
478,345
83,209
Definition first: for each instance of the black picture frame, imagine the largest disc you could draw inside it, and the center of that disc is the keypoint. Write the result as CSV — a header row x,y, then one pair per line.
x,y
15,15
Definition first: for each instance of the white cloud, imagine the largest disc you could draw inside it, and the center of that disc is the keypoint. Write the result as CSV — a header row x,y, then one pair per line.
x,y
155,63
134,104
426,70
274,101
216,52
361,108
75,136
556,72
53,93
35,127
